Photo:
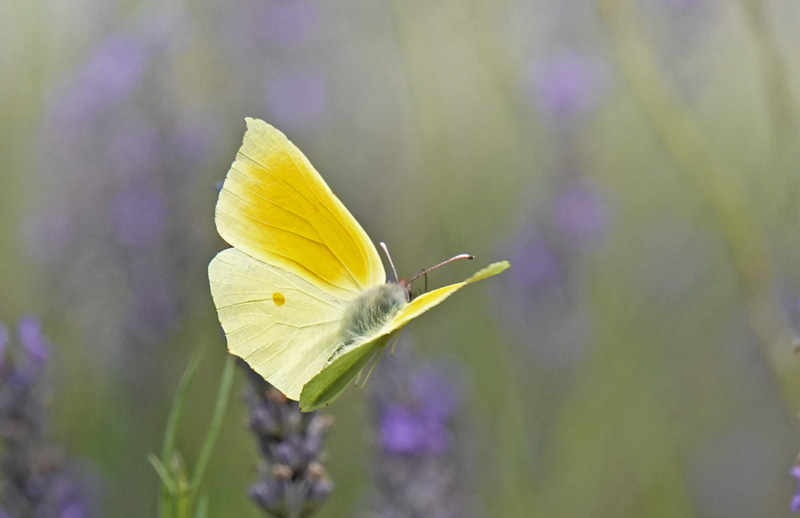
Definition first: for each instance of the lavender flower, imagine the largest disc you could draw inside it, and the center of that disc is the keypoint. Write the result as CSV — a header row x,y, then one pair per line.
x,y
291,23
566,85
108,77
795,504
36,482
298,100
540,266
419,466
293,481
581,215
272,26
131,143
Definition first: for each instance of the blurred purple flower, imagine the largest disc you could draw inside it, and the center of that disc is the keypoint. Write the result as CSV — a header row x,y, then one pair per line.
x,y
257,26
442,394
4,337
535,264
70,499
139,214
289,22
155,306
581,216
49,232
114,191
412,431
35,480
419,464
566,85
538,299
795,504
134,149
195,139
107,78
297,100
29,331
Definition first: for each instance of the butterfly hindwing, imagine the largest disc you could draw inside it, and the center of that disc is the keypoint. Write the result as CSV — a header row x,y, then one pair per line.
x,y
284,327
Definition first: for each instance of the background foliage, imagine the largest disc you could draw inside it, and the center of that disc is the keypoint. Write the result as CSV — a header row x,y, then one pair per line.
x,y
637,161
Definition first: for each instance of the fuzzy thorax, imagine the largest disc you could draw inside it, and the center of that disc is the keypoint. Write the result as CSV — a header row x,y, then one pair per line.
x,y
369,313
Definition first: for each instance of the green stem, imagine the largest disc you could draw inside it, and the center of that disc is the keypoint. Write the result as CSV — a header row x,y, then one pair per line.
x,y
223,395
168,446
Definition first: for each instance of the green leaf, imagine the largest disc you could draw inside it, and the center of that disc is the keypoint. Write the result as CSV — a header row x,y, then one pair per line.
x,y
201,511
178,404
223,394
163,473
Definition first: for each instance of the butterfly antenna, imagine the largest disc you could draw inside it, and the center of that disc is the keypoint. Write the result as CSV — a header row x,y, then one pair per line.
x,y
386,251
425,272
377,359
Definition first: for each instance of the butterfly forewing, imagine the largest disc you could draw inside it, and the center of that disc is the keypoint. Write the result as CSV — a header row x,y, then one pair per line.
x,y
276,208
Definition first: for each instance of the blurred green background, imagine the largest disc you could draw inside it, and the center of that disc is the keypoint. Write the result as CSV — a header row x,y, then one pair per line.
x,y
636,161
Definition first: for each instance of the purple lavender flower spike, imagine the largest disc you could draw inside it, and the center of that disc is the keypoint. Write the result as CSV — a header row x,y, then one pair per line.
x,y
795,504
419,463
443,395
49,233
539,265
108,77
4,337
581,216
70,500
293,480
401,431
139,214
298,100
195,139
29,331
124,133
35,479
290,23
566,85
134,151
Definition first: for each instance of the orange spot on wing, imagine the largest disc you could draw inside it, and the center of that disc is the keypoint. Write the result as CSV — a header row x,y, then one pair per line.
x,y
278,299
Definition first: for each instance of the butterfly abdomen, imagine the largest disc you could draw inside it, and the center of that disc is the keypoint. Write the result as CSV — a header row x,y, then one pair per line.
x,y
369,312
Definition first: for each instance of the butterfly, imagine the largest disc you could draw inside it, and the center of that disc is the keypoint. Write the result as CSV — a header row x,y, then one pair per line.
x,y
302,295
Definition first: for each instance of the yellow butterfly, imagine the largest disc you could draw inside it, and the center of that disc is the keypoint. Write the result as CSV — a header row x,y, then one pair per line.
x,y
302,296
